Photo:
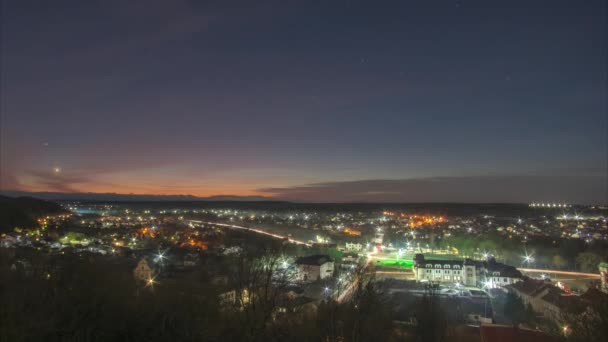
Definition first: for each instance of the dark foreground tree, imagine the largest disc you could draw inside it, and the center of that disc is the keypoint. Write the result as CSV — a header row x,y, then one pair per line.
x,y
591,324
431,319
514,309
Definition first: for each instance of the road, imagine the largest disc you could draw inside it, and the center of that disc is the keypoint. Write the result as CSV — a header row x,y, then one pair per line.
x,y
259,231
351,288
570,273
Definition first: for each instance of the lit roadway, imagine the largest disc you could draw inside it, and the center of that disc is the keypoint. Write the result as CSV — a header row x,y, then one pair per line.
x,y
259,231
351,288
535,270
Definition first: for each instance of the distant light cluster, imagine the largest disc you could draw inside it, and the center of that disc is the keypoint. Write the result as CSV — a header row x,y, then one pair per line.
x,y
549,205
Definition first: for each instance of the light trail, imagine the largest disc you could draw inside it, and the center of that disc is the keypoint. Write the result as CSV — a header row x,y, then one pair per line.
x,y
348,291
259,231
351,288
572,279
535,270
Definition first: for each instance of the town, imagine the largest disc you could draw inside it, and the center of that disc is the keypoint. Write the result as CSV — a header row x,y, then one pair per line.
x,y
482,260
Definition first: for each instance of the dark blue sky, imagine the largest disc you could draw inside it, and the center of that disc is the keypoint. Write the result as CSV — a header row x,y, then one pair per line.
x,y
309,100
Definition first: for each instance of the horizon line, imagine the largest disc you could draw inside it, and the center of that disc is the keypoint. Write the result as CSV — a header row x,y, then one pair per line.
x,y
238,198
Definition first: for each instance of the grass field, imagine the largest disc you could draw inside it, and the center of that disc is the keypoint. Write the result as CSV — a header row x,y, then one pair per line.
x,y
395,263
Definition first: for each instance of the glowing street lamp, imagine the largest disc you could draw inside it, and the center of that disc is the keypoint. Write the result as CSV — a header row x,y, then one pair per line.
x,y
150,282
160,257
528,259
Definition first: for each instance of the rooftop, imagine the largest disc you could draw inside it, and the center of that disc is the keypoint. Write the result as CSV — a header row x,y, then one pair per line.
x,y
314,260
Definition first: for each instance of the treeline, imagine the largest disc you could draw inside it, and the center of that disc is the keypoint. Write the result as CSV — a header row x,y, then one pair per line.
x,y
23,211
571,254
72,298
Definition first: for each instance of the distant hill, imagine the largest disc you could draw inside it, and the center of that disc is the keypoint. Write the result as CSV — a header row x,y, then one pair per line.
x,y
23,211
113,197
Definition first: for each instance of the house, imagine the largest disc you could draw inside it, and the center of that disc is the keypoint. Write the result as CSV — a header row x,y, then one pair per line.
x,y
291,299
500,275
238,299
314,267
143,271
354,247
301,304
546,299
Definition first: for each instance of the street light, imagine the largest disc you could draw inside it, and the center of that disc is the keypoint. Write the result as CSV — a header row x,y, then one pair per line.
x,y
160,256
150,282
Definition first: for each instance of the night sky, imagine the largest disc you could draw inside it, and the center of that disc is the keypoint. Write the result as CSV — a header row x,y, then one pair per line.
x,y
415,101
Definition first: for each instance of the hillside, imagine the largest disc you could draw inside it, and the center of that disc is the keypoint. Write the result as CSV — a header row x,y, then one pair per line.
x,y
23,211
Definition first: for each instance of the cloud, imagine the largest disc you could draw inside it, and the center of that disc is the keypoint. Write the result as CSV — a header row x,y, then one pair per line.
x,y
52,181
470,189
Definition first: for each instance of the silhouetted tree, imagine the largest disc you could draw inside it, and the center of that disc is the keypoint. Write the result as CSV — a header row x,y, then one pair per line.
x,y
431,319
514,309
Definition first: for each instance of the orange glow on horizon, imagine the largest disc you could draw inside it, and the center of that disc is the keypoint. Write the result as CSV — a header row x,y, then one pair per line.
x,y
216,189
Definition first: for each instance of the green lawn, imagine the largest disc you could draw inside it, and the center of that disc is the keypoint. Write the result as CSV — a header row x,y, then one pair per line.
x,y
393,262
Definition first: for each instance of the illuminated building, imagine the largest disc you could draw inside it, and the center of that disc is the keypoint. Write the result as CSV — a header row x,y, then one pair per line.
x,y
315,267
143,271
488,274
